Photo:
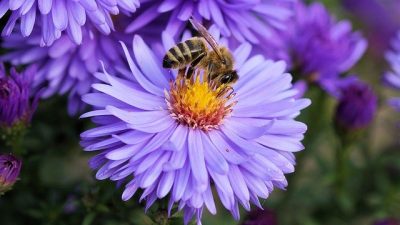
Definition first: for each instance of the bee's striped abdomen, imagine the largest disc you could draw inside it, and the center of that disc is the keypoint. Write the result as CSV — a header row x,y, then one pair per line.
x,y
184,49
184,53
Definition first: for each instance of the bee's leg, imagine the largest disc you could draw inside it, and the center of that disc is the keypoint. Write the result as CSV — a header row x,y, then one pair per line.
x,y
210,74
194,64
181,72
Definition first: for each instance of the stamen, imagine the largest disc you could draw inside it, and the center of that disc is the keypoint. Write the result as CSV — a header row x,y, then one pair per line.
x,y
198,103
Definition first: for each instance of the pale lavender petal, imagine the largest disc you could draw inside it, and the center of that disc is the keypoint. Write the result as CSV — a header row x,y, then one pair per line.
x,y
60,14
135,98
155,143
130,190
165,184
148,161
177,160
45,6
240,188
27,22
124,152
168,5
104,130
133,137
181,181
225,149
197,161
148,63
27,6
177,139
209,201
214,159
153,173
283,143
139,76
15,4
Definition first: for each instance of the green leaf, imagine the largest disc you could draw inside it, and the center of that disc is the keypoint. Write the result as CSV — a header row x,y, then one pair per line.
x,y
89,219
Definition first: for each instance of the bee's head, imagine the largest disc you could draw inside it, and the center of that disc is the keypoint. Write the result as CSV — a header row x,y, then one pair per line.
x,y
229,77
226,57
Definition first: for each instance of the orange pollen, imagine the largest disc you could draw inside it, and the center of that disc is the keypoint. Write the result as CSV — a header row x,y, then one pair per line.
x,y
198,103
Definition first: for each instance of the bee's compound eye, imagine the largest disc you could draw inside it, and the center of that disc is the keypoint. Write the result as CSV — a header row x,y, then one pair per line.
x,y
229,77
226,78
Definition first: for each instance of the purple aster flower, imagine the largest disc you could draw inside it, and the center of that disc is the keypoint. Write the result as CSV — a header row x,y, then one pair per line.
x,y
245,21
16,106
380,18
66,67
318,46
56,16
185,138
261,217
10,167
357,106
392,77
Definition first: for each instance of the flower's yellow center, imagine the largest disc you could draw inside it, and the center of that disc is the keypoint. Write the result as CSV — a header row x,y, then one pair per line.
x,y
198,103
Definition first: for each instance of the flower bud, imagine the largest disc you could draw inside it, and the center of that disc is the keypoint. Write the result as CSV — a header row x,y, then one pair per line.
x,y
357,106
10,167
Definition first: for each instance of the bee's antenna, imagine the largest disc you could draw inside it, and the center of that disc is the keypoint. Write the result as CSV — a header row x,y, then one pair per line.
x,y
191,19
207,36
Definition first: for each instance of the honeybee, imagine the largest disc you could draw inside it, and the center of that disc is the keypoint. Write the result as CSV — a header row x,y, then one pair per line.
x,y
217,62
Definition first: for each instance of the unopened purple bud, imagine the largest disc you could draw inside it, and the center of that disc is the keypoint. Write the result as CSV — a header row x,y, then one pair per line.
x,y
10,167
357,106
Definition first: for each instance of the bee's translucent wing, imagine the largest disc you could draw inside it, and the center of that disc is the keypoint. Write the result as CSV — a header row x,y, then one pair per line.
x,y
209,38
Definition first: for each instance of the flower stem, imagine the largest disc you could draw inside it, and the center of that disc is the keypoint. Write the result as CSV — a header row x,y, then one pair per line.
x,y
13,137
341,168
342,173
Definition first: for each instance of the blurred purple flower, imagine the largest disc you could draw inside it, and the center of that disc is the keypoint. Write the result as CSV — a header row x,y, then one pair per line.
x,y
357,106
246,21
56,16
66,67
392,77
10,167
381,19
261,217
387,222
178,138
319,47
71,204
16,106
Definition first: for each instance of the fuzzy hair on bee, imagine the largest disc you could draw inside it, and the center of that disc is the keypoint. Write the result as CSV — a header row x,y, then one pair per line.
x,y
194,53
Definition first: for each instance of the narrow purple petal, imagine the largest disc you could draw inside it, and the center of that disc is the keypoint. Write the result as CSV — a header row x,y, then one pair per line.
x,y
181,181
214,159
197,162
15,4
59,13
165,184
27,22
